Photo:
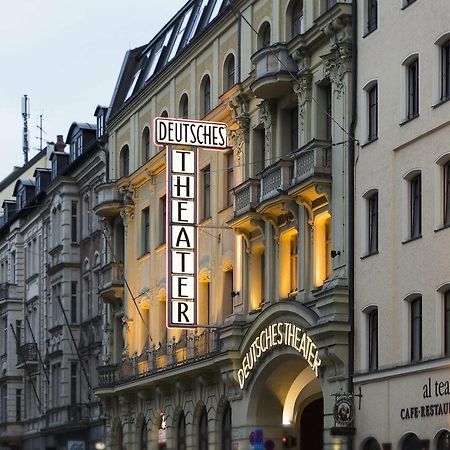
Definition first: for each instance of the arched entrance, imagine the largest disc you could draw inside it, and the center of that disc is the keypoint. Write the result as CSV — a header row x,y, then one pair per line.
x,y
285,400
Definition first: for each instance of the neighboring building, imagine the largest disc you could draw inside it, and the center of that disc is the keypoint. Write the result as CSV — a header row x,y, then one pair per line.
x,y
51,250
273,211
402,213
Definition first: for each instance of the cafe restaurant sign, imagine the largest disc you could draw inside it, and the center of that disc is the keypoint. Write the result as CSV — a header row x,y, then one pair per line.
x,y
183,138
279,334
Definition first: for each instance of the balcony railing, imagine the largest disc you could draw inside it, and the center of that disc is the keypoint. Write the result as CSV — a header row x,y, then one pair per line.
x,y
312,162
273,69
276,178
111,285
246,196
27,353
67,415
108,200
190,348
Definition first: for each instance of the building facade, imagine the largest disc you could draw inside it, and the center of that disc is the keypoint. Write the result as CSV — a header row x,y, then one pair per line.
x,y
51,248
271,351
402,269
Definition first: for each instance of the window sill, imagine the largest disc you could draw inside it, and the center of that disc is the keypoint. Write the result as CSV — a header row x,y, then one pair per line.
x,y
369,141
204,221
369,254
412,239
144,256
442,227
224,209
31,278
160,247
440,102
410,119
75,244
407,5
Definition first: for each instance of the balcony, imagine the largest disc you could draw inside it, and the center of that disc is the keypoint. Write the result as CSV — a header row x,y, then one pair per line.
x,y
275,179
246,196
27,355
312,162
273,69
189,349
72,415
10,291
108,200
112,285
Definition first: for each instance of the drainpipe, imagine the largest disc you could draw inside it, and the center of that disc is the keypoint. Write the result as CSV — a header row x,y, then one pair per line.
x,y
351,207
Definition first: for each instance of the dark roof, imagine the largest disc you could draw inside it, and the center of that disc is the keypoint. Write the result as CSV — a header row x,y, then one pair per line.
x,y
15,174
81,126
29,183
143,64
41,169
99,108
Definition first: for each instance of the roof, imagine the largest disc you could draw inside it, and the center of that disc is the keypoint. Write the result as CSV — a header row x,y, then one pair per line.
x,y
81,126
29,183
143,64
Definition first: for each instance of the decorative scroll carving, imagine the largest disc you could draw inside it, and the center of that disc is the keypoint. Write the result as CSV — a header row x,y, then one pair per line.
x,y
303,89
239,131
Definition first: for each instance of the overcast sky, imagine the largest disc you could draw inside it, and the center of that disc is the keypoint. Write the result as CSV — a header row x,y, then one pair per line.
x,y
66,56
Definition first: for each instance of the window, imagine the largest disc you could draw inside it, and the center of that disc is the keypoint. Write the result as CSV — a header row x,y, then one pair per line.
x,y
73,301
330,3
372,322
13,267
230,178
197,18
445,71
154,54
229,72
18,405
73,382
181,432
416,206
411,442
3,403
125,161
145,145
101,125
447,323
443,442
372,95
184,107
54,167
56,385
293,116
416,329
413,89
297,19
86,218
206,95
372,222
226,428
372,15
145,230
293,255
5,335
371,444
87,304
446,195
132,85
162,220
74,223
180,34
18,336
143,436
264,36
206,178
203,431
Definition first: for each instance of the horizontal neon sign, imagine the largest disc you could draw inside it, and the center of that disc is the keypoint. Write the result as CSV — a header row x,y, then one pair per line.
x,y
168,131
274,335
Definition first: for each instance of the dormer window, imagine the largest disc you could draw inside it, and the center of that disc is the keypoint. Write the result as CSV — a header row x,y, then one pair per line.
x,y
54,168
180,35
100,125
79,145
197,18
37,186
133,85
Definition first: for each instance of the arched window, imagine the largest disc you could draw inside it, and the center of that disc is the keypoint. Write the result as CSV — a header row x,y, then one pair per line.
x,y
443,442
411,442
203,430
125,161
229,78
184,107
143,436
145,145
205,95
264,36
297,20
164,114
371,444
181,432
226,428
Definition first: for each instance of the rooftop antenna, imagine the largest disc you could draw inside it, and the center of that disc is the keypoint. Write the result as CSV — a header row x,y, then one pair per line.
x,y
25,115
41,130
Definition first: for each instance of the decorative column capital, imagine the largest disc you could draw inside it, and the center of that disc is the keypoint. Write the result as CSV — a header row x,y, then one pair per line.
x,y
336,65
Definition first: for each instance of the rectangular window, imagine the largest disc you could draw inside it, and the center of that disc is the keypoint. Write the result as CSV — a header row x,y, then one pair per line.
x,y
329,110
447,323
162,219
416,206
373,223
445,71
13,267
73,383
145,230
5,335
73,301
18,405
294,129
18,333
180,35
372,319
413,89
230,178
3,403
294,262
74,224
447,193
372,15
56,385
373,112
206,178
416,329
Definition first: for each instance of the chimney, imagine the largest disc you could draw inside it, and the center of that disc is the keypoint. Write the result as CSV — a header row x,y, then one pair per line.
x,y
60,145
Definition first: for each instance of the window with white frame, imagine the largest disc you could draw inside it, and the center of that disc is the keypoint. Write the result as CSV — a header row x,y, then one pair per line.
x,y
415,206
372,223
412,86
372,339
415,316
372,112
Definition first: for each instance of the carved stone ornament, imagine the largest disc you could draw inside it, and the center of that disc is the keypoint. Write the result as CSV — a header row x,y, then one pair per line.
x,y
303,89
303,60
267,118
336,65
238,134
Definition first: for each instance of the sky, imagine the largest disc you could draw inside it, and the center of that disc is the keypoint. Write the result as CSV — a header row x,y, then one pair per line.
x,y
66,56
